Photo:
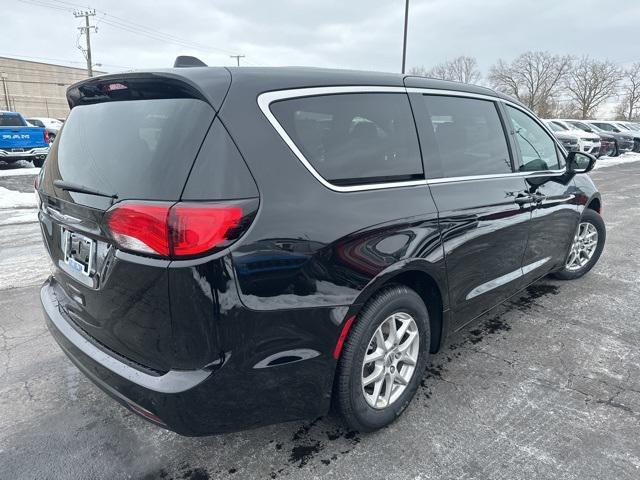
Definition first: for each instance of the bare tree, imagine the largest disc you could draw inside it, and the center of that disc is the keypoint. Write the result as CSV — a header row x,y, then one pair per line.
x,y
592,82
534,78
461,69
419,71
629,107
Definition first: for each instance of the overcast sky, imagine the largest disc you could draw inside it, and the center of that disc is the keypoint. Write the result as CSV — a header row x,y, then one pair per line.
x,y
362,34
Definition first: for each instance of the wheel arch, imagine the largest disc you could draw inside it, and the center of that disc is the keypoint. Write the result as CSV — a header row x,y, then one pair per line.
x,y
427,281
595,203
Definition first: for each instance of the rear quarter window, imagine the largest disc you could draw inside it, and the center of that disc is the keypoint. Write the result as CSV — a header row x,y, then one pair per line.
x,y
354,139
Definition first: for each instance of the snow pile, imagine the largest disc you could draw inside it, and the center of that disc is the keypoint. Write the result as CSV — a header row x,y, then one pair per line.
x,y
14,199
26,215
14,172
630,157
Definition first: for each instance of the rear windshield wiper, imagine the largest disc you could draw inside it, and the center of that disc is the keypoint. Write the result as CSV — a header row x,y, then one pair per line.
x,y
74,187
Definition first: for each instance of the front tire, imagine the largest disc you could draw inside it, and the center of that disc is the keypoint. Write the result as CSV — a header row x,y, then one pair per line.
x,y
38,162
586,248
383,359
616,150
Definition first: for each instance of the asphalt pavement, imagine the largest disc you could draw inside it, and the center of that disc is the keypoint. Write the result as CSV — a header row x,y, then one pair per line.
x,y
546,386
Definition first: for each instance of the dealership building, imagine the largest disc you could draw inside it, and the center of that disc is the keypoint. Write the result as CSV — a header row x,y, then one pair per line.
x,y
36,89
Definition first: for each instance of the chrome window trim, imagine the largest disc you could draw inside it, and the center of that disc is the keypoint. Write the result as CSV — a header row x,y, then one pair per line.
x,y
265,99
542,173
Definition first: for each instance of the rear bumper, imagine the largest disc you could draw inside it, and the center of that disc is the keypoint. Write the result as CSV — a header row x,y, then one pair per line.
x,y
173,381
230,397
26,154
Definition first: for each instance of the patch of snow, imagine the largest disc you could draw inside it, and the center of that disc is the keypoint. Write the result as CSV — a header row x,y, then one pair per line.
x,y
14,199
26,215
14,172
604,162
24,260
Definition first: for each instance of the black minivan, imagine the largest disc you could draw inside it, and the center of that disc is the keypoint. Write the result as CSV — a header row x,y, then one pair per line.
x,y
241,246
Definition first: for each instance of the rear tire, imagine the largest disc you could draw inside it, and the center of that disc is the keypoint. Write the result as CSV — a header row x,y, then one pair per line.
x,y
580,259
38,162
366,407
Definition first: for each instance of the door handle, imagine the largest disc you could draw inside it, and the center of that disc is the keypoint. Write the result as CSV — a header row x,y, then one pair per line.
x,y
524,199
538,197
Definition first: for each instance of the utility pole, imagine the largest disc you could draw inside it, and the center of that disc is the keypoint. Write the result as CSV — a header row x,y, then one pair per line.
x,y
237,57
86,30
404,43
5,90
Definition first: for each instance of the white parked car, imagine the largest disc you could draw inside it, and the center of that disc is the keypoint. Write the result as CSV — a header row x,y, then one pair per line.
x,y
53,125
587,142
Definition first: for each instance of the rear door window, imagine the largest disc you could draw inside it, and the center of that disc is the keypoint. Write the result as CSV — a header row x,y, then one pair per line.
x,y
463,137
138,149
537,148
354,139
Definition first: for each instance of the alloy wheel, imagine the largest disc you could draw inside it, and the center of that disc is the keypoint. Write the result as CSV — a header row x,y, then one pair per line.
x,y
584,246
390,360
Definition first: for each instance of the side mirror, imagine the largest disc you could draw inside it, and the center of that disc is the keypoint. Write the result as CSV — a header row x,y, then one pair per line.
x,y
580,162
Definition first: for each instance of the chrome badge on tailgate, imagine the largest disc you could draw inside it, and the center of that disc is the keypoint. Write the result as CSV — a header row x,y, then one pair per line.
x,y
79,251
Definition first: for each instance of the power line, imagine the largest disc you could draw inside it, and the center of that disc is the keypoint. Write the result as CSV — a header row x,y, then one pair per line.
x,y
41,3
150,32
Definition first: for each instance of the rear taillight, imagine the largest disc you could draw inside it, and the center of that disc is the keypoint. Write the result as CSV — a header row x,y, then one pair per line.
x,y
196,228
46,136
140,227
177,230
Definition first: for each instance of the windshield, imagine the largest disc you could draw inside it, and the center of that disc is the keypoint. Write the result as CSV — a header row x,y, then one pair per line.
x,y
582,126
606,127
556,127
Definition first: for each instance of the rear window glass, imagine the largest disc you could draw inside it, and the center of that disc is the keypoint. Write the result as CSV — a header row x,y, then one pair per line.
x,y
140,149
353,139
11,121
463,137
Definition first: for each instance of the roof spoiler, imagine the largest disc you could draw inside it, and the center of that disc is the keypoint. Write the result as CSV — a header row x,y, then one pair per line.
x,y
185,61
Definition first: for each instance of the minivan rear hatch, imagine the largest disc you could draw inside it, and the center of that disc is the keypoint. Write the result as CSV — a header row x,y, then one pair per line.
x,y
132,137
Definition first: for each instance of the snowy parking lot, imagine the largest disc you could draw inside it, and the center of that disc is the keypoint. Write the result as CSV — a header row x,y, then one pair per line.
x,y
546,386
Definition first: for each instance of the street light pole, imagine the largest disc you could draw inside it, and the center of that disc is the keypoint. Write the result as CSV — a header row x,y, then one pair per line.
x,y
404,43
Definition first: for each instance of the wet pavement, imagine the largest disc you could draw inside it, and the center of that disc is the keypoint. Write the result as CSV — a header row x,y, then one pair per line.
x,y
545,386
